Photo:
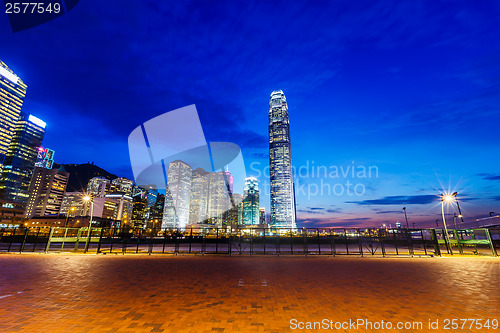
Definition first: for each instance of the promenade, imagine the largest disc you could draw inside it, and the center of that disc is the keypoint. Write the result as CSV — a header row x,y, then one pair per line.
x,y
165,293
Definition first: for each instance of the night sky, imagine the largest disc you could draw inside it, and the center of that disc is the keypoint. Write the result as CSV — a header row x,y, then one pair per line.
x,y
411,88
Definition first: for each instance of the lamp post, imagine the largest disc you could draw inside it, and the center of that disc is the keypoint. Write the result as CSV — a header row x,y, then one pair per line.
x,y
447,198
458,206
89,199
67,216
406,218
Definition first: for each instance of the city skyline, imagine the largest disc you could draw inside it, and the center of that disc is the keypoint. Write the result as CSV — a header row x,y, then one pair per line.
x,y
354,93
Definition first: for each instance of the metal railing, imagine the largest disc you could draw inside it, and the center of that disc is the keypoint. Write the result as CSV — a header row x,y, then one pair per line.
x,y
253,241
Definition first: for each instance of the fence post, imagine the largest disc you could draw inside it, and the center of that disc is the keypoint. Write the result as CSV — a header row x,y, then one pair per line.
x,y
217,240
151,239
423,242
319,241
492,246
304,238
77,242
264,240
360,241
36,239
139,235
11,238
190,239
437,250
100,240
48,240
24,241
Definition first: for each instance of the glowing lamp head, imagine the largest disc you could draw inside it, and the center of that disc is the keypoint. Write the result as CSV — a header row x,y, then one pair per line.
x,y
448,198
86,198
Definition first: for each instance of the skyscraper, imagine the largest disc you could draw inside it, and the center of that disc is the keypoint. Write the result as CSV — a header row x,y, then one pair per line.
x,y
219,200
251,201
12,93
177,195
46,192
20,159
280,162
199,197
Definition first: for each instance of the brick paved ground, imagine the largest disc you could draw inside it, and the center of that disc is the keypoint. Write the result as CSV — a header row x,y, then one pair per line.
x,y
114,293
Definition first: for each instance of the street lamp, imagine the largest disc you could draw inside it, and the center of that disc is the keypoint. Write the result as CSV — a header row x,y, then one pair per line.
x,y
406,218
67,216
459,211
89,199
446,198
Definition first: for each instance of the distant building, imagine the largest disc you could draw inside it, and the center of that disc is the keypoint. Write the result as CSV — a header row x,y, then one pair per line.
x,y
219,200
280,163
139,209
96,187
123,185
262,215
46,192
251,201
114,206
234,215
73,204
177,195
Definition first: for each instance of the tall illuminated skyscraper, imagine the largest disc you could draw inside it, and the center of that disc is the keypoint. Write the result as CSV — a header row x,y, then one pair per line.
x,y
20,159
177,195
198,208
12,93
280,162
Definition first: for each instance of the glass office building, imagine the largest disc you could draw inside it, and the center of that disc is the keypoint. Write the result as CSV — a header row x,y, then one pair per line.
x,y
280,163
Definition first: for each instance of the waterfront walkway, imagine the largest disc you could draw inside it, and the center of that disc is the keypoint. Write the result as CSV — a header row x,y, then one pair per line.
x,y
141,293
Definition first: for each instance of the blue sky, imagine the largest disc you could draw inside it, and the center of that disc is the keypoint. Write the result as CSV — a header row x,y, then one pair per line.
x,y
409,87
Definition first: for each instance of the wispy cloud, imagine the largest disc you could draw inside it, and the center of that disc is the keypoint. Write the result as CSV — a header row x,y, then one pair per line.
x,y
399,200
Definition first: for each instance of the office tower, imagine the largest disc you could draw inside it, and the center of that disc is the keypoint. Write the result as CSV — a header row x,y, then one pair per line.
x,y
155,213
177,195
280,162
219,200
139,208
96,187
251,201
20,159
122,185
124,206
262,215
73,205
12,93
199,197
46,192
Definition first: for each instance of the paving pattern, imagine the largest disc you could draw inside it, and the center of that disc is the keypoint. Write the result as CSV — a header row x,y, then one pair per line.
x,y
139,293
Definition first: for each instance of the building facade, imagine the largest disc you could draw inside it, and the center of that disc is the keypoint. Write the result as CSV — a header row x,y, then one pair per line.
x,y
46,192
12,93
280,163
177,195
20,159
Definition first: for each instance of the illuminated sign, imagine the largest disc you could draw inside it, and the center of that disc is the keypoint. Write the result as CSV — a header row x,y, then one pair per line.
x,y
45,158
11,77
37,121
